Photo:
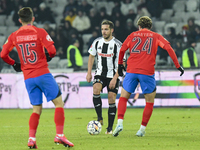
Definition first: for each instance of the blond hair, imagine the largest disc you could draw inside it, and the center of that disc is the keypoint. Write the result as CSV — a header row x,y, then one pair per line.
x,y
145,22
107,22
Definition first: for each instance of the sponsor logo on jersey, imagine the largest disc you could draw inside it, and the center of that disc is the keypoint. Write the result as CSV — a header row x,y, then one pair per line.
x,y
99,47
105,55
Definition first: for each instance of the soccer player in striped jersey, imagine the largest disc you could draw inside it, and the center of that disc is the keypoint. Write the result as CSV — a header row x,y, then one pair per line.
x,y
106,48
30,42
143,45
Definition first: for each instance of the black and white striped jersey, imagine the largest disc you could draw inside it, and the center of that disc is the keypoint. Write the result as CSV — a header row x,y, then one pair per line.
x,y
107,56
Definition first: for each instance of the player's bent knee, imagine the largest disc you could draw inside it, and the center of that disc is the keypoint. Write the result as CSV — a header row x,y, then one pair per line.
x,y
96,91
125,94
111,101
37,109
97,87
150,97
58,102
111,98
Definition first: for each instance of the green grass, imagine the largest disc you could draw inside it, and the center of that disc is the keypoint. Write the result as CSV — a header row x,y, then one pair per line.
x,y
168,129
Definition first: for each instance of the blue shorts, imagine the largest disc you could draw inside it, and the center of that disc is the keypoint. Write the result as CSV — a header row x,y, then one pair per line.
x,y
43,84
147,82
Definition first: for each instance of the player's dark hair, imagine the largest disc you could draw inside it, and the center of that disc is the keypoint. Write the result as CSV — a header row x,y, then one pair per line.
x,y
25,14
107,22
145,22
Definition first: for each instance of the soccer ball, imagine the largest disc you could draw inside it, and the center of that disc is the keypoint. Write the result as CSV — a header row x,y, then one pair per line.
x,y
94,127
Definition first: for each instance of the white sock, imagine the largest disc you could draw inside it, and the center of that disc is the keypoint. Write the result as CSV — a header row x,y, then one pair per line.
x,y
120,121
142,128
32,138
61,135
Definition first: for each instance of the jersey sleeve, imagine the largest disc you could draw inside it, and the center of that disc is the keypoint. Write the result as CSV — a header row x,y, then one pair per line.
x,y
92,50
172,54
125,56
48,43
162,41
46,39
123,49
7,47
118,50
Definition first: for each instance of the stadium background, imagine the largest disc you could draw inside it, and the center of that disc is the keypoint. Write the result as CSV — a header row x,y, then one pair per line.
x,y
52,16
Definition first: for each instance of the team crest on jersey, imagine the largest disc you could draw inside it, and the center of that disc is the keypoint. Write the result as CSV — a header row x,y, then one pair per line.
x,y
48,38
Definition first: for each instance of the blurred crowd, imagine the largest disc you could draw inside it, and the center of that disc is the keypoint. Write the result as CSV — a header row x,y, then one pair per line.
x,y
80,17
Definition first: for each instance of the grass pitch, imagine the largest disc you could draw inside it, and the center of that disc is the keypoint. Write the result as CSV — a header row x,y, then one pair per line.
x,y
168,129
